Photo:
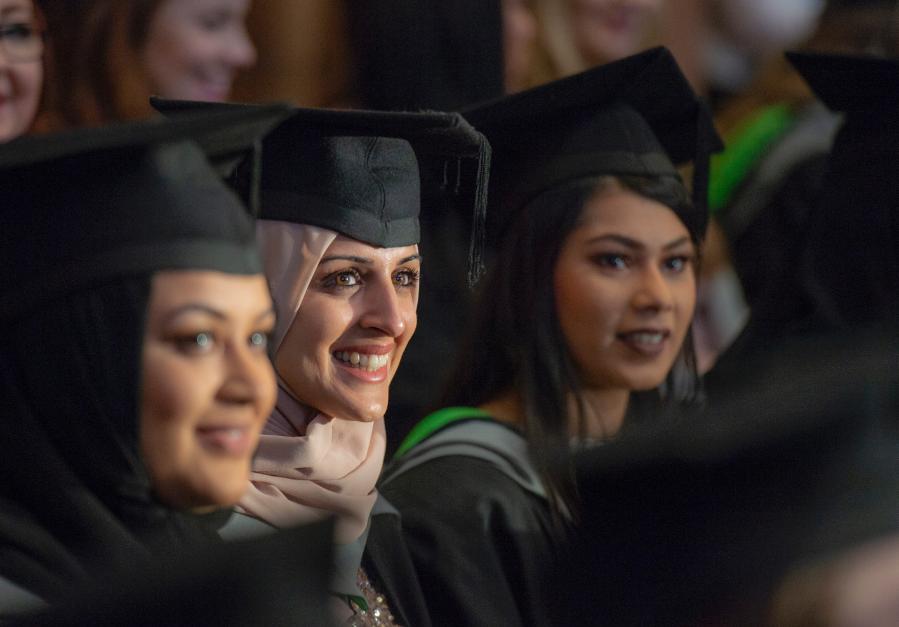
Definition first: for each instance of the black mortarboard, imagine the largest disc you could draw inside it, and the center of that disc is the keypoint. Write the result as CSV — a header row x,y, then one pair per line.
x,y
636,116
85,206
361,172
697,521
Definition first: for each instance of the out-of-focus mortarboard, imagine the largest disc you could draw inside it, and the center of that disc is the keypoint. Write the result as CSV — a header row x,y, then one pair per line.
x,y
636,116
361,173
696,522
85,206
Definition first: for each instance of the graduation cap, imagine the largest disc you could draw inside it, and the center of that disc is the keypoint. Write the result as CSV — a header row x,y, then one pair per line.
x,y
863,87
364,173
636,116
697,521
85,206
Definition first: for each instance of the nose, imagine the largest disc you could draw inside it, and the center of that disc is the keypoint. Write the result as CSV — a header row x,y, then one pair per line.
x,y
247,377
652,293
240,52
383,309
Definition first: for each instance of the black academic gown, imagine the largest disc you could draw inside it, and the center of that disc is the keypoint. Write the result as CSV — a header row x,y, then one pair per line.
x,y
388,563
477,525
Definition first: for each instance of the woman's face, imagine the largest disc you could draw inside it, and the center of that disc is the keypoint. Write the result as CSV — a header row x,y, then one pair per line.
x,y
195,48
607,30
21,67
350,331
208,384
625,290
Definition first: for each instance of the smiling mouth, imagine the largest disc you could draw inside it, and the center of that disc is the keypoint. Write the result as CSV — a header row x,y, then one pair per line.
x,y
232,441
363,361
648,343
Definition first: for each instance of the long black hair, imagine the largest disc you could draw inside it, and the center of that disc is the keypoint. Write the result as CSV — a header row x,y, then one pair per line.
x,y
516,341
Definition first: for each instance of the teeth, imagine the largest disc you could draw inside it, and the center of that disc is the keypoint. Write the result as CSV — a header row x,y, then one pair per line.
x,y
363,361
647,338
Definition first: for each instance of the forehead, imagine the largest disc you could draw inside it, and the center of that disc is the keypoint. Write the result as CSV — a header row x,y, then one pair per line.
x,y
232,292
15,7
624,212
348,247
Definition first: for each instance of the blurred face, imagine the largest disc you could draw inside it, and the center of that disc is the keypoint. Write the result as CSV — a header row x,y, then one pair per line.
x,y
625,290
21,67
519,33
208,385
607,30
195,48
350,331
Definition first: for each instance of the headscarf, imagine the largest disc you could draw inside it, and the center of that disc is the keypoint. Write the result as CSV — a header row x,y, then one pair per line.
x,y
309,465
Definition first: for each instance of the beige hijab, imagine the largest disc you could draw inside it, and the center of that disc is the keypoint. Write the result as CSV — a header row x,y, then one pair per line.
x,y
309,465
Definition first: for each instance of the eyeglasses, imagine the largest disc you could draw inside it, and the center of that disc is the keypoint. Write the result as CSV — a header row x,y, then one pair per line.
x,y
22,41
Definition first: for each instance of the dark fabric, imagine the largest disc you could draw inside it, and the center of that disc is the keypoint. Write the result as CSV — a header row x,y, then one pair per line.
x,y
480,542
77,499
426,54
278,580
853,257
696,522
390,568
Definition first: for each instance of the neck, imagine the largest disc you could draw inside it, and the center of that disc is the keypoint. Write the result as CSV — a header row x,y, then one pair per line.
x,y
604,411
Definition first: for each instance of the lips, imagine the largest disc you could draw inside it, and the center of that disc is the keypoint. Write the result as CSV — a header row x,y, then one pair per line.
x,y
645,342
228,440
369,363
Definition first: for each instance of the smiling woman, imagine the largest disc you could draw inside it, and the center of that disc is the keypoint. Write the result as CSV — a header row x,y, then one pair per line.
x,y
340,196
110,56
21,66
584,312
134,376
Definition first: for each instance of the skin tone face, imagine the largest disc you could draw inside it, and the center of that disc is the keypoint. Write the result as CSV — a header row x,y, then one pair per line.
x,y
625,289
345,344
195,48
208,385
607,30
519,34
20,80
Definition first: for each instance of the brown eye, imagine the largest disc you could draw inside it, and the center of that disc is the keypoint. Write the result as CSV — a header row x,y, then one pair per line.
x,y
406,278
343,279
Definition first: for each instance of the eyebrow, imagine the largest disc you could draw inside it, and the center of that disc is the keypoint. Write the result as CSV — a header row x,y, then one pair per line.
x,y
364,260
211,311
352,258
634,244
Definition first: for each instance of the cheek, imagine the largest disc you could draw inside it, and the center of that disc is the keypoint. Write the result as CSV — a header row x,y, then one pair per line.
x,y
305,354
585,303
176,389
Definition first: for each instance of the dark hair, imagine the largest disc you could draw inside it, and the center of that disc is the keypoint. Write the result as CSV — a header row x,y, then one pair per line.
x,y
516,341
98,76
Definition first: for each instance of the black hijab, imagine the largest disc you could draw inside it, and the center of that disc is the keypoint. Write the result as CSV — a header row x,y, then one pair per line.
x,y
88,218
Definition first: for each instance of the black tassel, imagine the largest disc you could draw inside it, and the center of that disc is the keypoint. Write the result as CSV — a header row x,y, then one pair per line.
x,y
479,218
